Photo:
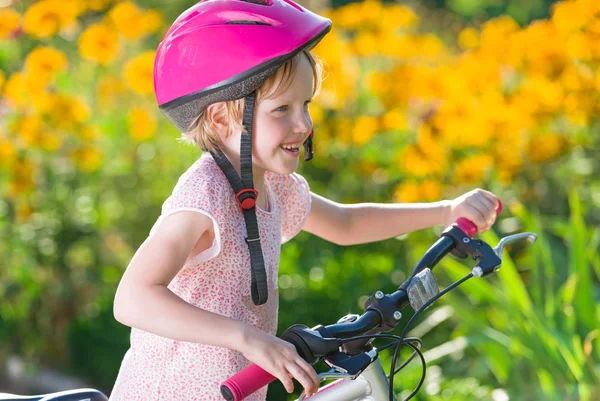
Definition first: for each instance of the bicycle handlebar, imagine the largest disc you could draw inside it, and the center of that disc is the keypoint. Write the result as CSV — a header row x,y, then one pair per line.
x,y
252,378
246,382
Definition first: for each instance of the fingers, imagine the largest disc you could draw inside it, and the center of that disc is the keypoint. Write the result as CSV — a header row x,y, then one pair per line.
x,y
297,368
486,204
304,378
476,215
286,379
491,197
479,206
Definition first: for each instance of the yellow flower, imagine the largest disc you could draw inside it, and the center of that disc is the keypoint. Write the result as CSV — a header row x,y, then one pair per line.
x,y
142,124
431,190
348,16
68,111
366,43
378,82
42,101
152,21
44,63
429,46
128,19
545,147
88,133
472,169
47,17
15,91
579,46
498,30
568,16
98,5
8,152
139,73
398,15
546,92
22,178
317,114
414,162
408,192
50,141
411,191
10,20
394,120
468,38
28,128
88,158
99,43
24,210
364,129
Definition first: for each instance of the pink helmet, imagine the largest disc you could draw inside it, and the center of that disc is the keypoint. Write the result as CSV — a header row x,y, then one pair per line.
x,y
221,50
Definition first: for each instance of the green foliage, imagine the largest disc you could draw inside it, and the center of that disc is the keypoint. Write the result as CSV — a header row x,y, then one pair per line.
x,y
536,323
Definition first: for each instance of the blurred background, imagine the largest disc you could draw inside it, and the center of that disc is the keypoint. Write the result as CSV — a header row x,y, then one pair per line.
x,y
422,101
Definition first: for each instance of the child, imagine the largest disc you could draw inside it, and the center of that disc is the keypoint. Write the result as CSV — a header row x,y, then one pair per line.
x,y
201,292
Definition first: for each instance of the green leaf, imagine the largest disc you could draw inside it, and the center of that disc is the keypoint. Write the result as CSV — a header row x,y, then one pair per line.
x,y
583,295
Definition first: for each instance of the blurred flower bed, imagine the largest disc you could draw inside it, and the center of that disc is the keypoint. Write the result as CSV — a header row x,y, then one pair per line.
x,y
86,158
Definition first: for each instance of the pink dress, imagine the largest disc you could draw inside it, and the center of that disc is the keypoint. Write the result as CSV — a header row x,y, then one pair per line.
x,y
218,280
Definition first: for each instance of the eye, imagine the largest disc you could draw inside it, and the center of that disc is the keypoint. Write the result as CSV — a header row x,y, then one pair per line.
x,y
282,108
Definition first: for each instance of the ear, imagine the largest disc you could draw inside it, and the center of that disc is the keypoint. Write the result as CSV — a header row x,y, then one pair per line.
x,y
217,115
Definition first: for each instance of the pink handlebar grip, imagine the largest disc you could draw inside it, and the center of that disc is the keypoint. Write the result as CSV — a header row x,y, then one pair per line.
x,y
468,227
246,382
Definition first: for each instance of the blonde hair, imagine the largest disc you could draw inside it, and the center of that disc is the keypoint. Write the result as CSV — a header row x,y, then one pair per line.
x,y
201,131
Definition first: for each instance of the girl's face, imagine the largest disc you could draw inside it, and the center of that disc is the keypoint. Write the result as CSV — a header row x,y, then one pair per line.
x,y
282,123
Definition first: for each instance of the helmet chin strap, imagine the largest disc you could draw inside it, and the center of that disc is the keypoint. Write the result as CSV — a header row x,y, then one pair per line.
x,y
246,197
308,147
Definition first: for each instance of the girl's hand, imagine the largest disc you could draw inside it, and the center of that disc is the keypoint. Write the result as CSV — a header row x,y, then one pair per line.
x,y
279,358
478,205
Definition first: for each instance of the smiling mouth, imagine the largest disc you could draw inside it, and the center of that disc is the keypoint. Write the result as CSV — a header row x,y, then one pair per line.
x,y
293,150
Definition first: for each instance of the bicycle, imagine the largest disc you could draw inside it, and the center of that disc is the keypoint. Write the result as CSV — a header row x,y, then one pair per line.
x,y
346,345
82,394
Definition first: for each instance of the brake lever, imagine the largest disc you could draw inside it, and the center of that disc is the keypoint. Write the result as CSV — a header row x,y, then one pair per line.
x,y
479,271
531,237
329,375
343,367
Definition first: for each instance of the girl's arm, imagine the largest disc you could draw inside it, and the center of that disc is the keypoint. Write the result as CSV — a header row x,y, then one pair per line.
x,y
144,301
369,222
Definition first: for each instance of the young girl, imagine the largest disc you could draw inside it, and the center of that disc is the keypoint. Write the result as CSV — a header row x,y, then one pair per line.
x,y
201,292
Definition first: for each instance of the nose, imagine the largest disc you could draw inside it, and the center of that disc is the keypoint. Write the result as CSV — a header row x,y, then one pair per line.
x,y
303,123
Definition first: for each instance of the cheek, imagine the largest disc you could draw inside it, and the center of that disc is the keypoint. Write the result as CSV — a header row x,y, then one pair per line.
x,y
270,132
265,139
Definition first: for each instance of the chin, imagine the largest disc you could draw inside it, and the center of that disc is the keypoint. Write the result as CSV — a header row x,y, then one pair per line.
x,y
284,168
287,170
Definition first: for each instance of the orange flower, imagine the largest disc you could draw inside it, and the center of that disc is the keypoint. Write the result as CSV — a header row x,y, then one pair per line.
x,y
139,73
10,20
99,43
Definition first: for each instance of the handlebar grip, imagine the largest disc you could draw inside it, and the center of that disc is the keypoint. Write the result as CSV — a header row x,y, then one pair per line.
x,y
246,382
468,227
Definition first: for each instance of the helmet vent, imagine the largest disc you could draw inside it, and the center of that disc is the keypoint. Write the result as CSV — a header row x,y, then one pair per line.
x,y
291,3
246,22
259,2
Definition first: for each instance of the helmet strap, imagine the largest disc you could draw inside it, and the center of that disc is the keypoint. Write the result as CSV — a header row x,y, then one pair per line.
x,y
308,147
246,196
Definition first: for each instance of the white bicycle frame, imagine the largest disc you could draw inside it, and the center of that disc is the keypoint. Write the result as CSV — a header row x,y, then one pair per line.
x,y
371,385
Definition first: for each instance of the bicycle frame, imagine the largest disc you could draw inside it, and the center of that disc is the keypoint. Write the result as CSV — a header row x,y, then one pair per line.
x,y
371,385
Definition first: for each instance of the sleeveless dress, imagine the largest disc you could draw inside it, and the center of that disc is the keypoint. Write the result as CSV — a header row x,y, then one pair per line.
x,y
218,280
